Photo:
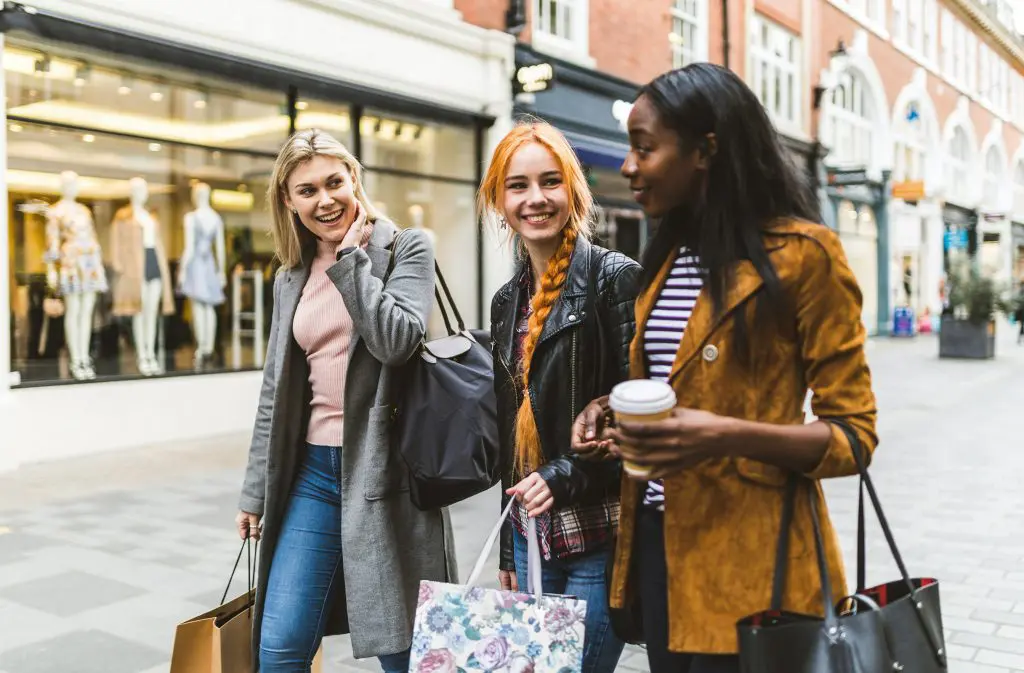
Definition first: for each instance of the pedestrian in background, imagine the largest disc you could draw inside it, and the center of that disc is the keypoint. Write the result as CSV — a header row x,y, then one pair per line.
x,y
561,329
773,310
344,549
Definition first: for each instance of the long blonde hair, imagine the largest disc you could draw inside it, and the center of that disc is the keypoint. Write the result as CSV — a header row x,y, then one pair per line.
x,y
288,232
528,452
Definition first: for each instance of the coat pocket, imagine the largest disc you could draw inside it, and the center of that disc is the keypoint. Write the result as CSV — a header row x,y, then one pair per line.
x,y
761,473
385,472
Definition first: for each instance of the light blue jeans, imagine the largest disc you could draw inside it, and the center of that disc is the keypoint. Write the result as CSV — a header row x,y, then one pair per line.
x,y
306,569
581,577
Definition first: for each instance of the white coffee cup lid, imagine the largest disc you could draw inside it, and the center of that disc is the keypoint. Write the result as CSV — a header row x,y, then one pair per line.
x,y
642,396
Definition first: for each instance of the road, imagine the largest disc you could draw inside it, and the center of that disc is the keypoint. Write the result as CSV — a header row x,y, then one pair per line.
x,y
101,557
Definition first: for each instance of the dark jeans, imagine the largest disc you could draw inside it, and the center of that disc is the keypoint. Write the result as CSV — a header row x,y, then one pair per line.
x,y
306,569
651,577
581,577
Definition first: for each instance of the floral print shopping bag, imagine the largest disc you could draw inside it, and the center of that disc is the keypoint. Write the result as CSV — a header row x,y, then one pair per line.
x,y
465,629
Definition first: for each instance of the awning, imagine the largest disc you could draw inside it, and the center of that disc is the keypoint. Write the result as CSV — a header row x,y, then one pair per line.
x,y
598,152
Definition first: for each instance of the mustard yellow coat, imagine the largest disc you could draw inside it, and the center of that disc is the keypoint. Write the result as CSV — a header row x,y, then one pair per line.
x,y
722,517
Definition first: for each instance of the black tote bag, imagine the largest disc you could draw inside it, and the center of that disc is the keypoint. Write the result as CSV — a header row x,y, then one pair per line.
x,y
445,416
891,627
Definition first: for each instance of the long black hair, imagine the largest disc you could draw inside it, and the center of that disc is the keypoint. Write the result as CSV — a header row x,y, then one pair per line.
x,y
750,182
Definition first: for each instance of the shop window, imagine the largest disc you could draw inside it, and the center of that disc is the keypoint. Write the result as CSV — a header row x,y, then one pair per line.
x,y
445,210
850,136
561,25
688,38
958,160
409,145
108,160
775,70
331,118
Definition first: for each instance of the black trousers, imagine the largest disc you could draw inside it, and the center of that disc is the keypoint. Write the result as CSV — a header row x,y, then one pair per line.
x,y
651,577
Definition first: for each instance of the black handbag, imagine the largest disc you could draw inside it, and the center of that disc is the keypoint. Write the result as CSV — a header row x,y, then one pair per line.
x,y
891,627
444,422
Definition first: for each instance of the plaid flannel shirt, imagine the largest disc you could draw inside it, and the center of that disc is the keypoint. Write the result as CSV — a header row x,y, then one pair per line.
x,y
564,531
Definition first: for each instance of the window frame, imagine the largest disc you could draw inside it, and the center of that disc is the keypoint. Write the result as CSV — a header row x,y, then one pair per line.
x,y
698,19
765,58
578,42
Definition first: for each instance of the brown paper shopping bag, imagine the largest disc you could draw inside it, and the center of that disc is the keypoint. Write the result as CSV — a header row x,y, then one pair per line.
x,y
220,640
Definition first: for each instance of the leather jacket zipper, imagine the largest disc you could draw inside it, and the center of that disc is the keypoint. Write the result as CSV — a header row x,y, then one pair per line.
x,y
572,384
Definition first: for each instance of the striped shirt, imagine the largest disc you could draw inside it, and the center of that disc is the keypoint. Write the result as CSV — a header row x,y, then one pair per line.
x,y
664,332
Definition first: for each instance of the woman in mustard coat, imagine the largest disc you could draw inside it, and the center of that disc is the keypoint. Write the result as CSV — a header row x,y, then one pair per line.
x,y
746,304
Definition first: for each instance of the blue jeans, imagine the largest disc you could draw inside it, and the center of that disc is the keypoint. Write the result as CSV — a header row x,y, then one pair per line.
x,y
582,577
306,569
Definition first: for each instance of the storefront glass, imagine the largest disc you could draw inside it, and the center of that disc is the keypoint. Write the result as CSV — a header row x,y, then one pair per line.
x,y
108,158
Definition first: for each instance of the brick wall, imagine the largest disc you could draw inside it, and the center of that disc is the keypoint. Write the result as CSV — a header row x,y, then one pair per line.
x,y
630,39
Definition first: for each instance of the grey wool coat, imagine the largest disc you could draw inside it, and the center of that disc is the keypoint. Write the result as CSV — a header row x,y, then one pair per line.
x,y
388,545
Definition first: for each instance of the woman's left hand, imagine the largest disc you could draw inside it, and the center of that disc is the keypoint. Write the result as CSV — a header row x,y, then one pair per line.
x,y
534,493
687,437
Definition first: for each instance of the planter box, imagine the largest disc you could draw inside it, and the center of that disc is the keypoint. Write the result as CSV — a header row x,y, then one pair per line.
x,y
963,339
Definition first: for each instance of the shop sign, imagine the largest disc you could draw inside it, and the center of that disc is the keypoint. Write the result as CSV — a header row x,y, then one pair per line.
x,y
955,239
912,190
534,78
844,178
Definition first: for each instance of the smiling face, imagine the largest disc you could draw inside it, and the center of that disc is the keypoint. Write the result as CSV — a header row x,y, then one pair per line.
x,y
536,198
320,191
661,173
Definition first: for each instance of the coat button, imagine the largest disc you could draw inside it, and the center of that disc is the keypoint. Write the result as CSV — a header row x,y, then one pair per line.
x,y
710,353
572,317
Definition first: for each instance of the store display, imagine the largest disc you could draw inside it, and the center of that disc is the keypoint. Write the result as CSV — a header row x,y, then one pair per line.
x,y
143,286
203,278
74,268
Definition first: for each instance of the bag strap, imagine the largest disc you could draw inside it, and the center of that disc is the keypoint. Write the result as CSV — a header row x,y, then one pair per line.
x,y
794,484
251,567
437,292
533,566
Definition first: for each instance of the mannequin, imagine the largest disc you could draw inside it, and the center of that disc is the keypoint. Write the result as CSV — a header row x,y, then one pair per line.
x,y
143,285
72,246
203,276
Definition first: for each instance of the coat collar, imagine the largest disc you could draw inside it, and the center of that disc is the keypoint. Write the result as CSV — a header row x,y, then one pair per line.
x,y
746,282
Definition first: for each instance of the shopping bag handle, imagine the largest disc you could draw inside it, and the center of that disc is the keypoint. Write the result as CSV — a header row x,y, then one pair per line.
x,y
533,571
251,568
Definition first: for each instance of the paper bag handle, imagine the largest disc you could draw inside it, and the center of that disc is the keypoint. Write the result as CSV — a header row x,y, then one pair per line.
x,y
533,569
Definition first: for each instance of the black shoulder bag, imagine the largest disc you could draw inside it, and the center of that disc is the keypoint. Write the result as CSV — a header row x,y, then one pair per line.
x,y
891,627
444,422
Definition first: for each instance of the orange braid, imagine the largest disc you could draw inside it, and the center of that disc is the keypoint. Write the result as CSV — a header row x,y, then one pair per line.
x,y
528,450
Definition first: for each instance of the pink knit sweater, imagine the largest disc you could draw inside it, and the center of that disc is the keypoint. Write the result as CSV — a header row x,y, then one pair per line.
x,y
323,329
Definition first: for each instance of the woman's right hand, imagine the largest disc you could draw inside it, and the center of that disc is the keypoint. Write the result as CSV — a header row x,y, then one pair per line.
x,y
508,580
248,525
588,430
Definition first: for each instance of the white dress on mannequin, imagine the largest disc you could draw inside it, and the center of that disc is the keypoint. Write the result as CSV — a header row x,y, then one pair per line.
x,y
202,276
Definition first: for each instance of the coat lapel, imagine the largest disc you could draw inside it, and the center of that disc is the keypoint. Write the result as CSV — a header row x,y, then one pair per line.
x,y
703,321
291,292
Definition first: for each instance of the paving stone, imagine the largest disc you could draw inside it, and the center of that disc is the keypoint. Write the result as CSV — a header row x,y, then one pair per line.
x,y
69,593
90,651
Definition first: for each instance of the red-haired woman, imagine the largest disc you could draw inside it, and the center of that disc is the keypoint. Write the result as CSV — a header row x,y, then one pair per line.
x,y
561,329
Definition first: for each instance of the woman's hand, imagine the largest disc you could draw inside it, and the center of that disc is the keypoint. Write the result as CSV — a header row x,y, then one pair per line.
x,y
682,440
354,235
588,431
534,494
508,580
248,525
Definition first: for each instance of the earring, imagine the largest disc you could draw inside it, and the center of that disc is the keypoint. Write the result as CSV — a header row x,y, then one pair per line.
x,y
502,222
295,211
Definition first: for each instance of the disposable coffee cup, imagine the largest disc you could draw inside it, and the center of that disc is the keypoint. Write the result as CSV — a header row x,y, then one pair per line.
x,y
641,401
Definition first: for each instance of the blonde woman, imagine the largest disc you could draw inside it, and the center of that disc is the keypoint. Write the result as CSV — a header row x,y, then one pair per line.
x,y
343,546
561,329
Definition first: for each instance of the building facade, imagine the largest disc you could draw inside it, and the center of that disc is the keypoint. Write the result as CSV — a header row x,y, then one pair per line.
x,y
127,125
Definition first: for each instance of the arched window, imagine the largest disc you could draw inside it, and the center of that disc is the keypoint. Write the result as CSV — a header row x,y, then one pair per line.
x,y
994,170
850,135
911,145
958,166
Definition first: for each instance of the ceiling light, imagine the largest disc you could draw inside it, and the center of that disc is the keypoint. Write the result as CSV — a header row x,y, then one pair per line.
x,y
301,105
82,74
367,125
408,132
124,89
15,128
389,129
200,103
89,138
156,96
154,147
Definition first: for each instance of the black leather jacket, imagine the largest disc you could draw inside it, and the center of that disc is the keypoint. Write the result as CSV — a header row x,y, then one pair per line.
x,y
582,353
